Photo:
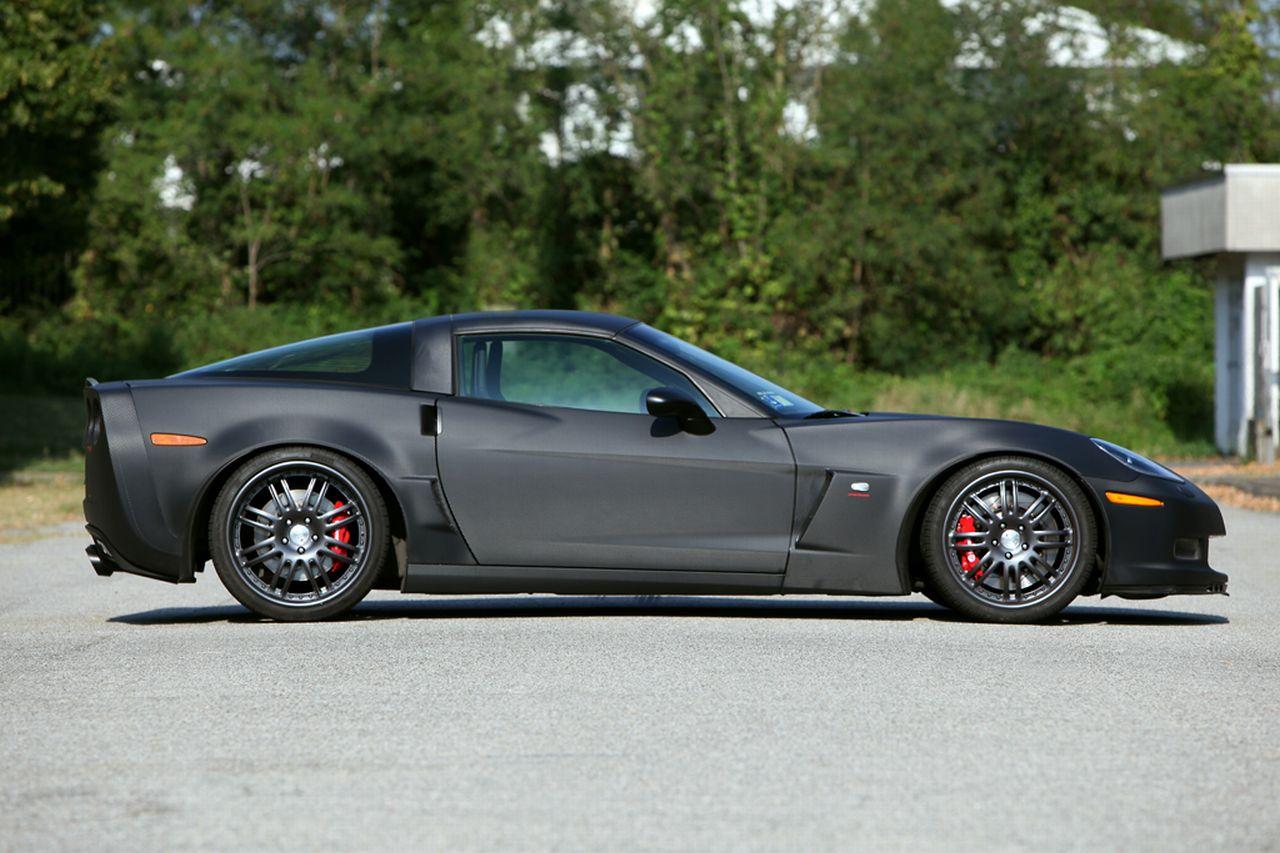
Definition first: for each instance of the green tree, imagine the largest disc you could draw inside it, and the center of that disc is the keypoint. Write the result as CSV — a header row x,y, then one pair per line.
x,y
55,97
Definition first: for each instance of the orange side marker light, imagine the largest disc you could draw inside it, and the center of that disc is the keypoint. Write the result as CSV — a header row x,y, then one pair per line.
x,y
173,439
1125,499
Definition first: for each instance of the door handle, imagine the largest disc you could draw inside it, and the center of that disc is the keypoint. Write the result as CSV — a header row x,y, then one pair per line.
x,y
430,419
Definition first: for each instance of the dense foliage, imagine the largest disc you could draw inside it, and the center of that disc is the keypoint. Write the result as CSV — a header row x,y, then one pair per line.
x,y
838,192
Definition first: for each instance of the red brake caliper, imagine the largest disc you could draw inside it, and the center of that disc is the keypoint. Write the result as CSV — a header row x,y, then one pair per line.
x,y
342,534
968,559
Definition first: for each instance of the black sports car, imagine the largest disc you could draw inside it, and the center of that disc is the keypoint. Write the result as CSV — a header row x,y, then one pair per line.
x,y
557,451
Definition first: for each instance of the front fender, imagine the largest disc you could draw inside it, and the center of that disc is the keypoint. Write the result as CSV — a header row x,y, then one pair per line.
x,y
861,541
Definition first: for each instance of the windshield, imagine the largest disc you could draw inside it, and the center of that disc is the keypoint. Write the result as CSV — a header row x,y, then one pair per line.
x,y
775,398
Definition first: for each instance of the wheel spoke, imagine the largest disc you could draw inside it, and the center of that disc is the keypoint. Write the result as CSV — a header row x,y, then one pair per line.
x,y
1054,540
350,509
1039,568
281,573
288,494
306,499
1031,512
340,523
244,519
262,512
329,552
973,571
315,584
1049,504
977,508
261,558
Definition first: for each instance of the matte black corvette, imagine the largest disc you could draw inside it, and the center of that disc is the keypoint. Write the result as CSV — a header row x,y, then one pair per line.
x,y
568,452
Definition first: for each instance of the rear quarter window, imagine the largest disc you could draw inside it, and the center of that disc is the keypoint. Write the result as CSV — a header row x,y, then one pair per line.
x,y
380,356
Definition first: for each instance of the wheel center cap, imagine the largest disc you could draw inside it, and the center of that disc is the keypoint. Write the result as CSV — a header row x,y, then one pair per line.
x,y
1011,540
300,535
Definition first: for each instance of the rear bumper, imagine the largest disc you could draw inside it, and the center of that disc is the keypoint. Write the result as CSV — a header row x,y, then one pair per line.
x,y
106,561
1157,551
120,504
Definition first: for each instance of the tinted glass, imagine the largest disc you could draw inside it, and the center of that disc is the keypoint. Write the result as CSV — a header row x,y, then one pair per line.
x,y
378,356
775,398
559,370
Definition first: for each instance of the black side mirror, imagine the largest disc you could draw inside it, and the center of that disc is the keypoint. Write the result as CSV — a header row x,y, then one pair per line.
x,y
672,403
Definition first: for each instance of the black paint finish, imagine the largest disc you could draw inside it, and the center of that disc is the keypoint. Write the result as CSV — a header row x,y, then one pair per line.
x,y
502,497
541,486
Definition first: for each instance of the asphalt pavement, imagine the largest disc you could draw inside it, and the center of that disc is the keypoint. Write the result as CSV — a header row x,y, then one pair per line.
x,y
139,715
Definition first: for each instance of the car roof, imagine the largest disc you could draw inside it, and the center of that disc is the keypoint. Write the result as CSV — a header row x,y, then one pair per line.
x,y
541,321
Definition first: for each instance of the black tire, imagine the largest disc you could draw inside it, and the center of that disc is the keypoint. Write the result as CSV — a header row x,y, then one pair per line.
x,y
281,552
1029,555
928,593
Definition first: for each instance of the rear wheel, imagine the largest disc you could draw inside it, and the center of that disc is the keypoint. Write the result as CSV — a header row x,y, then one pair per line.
x,y
298,533
1008,539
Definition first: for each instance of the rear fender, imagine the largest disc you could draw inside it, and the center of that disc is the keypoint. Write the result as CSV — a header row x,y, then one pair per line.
x,y
382,430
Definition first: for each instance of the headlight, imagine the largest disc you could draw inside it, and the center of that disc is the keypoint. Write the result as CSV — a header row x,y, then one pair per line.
x,y
1138,463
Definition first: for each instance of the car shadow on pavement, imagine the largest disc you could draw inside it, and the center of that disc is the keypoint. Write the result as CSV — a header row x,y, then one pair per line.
x,y
538,607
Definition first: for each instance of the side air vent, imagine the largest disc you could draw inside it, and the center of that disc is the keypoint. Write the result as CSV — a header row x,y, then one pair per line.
x,y
1188,549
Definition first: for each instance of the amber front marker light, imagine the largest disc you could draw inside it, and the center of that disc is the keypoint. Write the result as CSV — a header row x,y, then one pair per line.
x,y
1132,500
173,439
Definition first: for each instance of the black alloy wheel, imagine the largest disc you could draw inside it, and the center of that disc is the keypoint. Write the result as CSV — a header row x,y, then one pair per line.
x,y
298,534
1008,539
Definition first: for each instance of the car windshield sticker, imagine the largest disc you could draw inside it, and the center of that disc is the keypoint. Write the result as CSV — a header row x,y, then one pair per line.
x,y
771,398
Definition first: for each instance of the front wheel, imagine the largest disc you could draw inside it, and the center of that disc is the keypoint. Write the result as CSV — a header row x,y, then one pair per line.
x,y
1008,539
298,534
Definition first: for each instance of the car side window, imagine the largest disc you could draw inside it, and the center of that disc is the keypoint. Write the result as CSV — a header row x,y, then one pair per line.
x,y
378,356
566,371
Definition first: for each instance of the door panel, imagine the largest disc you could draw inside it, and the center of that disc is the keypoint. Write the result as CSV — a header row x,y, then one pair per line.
x,y
543,486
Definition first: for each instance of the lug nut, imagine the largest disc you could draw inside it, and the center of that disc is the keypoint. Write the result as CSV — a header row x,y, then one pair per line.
x,y
1025,546
299,550
1007,555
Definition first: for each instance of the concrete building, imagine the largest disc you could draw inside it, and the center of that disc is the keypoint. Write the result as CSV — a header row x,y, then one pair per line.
x,y
1235,216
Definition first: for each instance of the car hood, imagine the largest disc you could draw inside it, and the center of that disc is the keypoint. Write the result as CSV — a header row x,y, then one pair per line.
x,y
885,440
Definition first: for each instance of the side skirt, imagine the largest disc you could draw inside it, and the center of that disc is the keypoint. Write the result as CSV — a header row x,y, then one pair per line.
x,y
448,579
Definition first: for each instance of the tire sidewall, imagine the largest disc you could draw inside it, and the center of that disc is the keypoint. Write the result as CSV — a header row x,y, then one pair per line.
x,y
945,587
375,524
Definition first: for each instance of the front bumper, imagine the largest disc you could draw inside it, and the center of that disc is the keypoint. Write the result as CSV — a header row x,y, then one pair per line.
x,y
1152,552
